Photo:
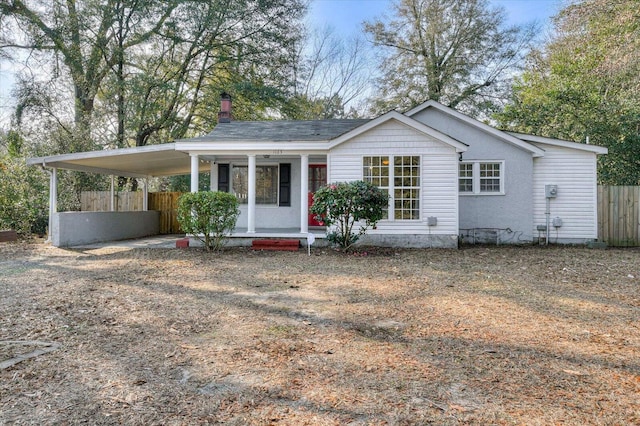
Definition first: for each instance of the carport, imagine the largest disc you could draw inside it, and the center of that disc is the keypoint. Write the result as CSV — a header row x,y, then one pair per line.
x,y
71,228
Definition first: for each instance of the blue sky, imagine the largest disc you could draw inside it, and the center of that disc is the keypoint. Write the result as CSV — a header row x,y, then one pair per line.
x,y
346,16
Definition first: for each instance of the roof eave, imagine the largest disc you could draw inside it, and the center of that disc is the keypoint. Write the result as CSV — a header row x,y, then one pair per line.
x,y
394,115
253,146
596,149
506,137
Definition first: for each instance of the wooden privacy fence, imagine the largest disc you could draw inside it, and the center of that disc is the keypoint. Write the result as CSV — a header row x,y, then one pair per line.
x,y
100,201
619,215
165,202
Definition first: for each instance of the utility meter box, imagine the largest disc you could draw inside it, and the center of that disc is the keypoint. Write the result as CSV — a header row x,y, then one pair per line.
x,y
551,191
432,221
557,222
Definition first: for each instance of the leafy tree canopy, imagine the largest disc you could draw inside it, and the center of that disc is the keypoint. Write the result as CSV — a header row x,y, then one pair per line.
x,y
457,52
584,84
134,72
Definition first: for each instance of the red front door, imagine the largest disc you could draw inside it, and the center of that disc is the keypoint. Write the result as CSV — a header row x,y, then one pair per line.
x,y
317,179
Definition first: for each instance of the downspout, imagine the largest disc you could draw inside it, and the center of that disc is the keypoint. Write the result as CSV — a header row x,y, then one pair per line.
x,y
548,217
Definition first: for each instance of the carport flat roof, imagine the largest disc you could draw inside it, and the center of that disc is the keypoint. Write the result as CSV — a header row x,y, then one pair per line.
x,y
152,160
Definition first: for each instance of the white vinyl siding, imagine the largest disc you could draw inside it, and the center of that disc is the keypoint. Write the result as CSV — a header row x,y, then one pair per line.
x,y
575,174
439,174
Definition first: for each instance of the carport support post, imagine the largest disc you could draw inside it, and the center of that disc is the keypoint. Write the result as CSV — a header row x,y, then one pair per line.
x,y
251,210
54,190
304,193
195,169
112,206
53,200
145,194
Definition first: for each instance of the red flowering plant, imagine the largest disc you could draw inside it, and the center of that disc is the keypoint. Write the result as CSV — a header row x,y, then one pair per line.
x,y
344,206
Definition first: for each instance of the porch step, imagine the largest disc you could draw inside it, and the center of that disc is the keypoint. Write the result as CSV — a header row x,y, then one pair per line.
x,y
276,244
182,243
6,236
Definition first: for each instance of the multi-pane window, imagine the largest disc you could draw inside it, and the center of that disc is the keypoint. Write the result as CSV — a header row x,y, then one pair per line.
x,y
465,177
376,171
406,187
266,184
489,177
481,177
400,175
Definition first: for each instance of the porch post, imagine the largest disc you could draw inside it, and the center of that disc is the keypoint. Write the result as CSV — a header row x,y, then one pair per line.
x,y
195,169
145,194
112,194
251,210
213,177
304,193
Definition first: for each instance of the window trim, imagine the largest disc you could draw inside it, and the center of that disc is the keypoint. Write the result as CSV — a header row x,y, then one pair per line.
x,y
475,176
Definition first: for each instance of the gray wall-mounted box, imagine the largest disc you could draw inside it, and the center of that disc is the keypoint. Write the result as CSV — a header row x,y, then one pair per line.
x,y
551,191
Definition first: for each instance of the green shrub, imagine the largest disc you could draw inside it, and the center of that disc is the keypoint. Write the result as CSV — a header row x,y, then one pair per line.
x,y
24,197
209,216
341,206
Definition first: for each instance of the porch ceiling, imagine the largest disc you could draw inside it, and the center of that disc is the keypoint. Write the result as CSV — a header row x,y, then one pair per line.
x,y
155,160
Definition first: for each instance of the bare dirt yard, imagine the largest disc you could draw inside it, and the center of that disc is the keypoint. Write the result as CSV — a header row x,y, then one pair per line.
x,y
524,335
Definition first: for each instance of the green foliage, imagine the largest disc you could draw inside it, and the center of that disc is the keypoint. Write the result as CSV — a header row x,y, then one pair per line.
x,y
342,206
137,72
23,197
182,183
583,84
209,216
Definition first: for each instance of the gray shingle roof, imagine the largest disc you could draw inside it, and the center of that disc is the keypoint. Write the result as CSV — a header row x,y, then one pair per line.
x,y
281,130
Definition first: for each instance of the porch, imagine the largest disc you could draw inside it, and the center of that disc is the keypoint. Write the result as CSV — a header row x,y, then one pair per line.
x,y
274,190
239,238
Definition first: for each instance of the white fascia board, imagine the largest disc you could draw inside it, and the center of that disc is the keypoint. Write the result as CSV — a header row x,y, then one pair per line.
x,y
80,168
407,121
561,143
73,161
99,154
253,147
505,136
422,106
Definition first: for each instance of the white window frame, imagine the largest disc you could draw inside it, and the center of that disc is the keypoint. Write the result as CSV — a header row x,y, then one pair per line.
x,y
391,209
476,178
246,165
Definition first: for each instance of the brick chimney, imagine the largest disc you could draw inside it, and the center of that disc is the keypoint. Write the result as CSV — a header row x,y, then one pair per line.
x,y
225,116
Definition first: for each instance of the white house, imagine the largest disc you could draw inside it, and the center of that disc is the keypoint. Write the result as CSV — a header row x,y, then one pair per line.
x,y
449,178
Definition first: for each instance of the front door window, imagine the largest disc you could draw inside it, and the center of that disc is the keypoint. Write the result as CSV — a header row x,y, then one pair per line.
x,y
317,179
